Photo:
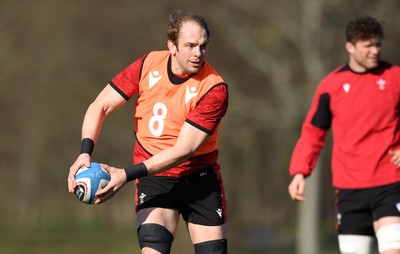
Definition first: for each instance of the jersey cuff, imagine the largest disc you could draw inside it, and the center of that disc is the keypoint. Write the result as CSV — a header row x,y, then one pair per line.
x,y
126,97
209,132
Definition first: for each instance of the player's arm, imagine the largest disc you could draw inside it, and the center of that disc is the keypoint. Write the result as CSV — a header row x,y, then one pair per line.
x,y
189,140
312,139
395,157
106,102
122,87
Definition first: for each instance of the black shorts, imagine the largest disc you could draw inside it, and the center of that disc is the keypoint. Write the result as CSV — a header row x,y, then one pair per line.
x,y
199,197
357,209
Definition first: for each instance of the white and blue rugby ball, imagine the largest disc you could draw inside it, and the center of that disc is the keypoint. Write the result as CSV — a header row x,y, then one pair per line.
x,y
89,181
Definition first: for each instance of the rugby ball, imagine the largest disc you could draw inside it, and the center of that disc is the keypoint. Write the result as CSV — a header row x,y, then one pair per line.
x,y
89,181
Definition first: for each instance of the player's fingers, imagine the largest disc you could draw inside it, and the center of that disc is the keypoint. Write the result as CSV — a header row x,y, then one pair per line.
x,y
292,192
103,191
297,197
395,159
296,191
104,197
300,188
71,183
105,167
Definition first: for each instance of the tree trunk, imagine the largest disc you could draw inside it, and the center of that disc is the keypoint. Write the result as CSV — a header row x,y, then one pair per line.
x,y
308,231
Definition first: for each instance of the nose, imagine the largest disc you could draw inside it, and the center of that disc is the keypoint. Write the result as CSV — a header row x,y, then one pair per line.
x,y
197,51
376,49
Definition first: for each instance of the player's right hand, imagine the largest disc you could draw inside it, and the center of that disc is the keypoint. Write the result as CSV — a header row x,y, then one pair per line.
x,y
82,160
296,188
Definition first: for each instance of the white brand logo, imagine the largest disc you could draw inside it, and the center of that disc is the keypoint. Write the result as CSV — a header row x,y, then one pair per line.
x,y
154,77
398,206
219,211
190,93
346,87
141,197
339,218
203,173
381,83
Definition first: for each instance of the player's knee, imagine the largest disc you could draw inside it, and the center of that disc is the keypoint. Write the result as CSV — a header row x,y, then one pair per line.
x,y
156,237
212,247
388,237
355,244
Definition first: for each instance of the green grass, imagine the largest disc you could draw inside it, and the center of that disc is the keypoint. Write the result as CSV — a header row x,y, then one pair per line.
x,y
94,239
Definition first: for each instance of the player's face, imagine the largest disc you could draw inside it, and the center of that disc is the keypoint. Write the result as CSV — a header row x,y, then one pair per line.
x,y
189,53
364,54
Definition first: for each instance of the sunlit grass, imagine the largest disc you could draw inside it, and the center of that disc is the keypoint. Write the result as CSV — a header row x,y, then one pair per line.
x,y
96,240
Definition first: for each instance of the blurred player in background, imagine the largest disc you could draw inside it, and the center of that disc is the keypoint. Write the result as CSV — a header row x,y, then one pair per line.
x,y
181,101
361,102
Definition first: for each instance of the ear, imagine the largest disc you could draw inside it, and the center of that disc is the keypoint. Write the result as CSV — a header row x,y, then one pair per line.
x,y
350,47
171,46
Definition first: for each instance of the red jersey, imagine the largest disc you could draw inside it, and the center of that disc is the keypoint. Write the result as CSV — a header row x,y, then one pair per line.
x,y
165,101
363,111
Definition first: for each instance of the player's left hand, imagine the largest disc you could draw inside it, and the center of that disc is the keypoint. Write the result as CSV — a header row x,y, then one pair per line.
x,y
118,180
395,157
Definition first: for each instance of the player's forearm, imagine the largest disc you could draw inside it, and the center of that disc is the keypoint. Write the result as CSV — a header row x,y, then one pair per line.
x,y
93,121
160,162
167,159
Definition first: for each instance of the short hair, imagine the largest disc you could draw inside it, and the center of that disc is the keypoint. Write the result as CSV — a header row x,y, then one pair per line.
x,y
178,17
363,28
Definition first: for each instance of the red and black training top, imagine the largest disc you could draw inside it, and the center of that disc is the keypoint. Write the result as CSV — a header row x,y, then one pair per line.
x,y
363,111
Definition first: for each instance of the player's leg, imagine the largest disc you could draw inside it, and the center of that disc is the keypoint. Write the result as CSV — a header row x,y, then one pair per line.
x,y
354,222
157,214
387,219
205,211
355,244
156,229
388,234
208,239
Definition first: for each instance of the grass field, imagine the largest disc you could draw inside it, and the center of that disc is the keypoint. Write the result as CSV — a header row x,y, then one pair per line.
x,y
87,241
96,238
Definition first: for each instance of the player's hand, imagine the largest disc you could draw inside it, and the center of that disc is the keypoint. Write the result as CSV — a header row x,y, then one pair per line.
x,y
82,160
395,157
296,188
118,180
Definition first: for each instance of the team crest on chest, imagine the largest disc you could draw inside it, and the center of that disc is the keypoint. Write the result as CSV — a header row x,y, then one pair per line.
x,y
381,84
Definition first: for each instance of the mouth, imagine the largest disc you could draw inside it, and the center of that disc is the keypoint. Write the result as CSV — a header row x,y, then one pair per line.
x,y
196,63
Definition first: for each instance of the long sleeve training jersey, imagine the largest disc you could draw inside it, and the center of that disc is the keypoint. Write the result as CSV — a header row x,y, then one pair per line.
x,y
363,111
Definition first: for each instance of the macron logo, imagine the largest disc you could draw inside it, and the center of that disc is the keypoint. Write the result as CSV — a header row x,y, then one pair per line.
x,y
154,77
219,211
346,87
190,93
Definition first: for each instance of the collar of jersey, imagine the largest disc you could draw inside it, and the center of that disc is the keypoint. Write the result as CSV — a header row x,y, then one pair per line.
x,y
172,77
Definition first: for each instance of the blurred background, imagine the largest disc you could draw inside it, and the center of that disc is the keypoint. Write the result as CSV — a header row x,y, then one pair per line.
x,y
57,55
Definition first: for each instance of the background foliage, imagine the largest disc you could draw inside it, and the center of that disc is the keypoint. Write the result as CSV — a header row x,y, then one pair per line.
x,y
57,55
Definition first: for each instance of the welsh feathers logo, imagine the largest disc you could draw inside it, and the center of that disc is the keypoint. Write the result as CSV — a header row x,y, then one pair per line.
x,y
381,84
